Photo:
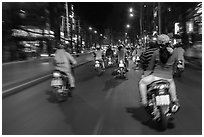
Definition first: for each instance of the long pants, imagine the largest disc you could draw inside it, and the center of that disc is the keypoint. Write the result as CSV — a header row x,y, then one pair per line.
x,y
149,79
71,79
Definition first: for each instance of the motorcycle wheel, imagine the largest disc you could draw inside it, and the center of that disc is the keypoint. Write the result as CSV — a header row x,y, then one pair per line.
x,y
60,97
163,118
179,73
99,71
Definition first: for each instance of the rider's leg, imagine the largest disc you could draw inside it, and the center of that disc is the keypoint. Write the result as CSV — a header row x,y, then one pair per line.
x,y
71,80
172,90
143,88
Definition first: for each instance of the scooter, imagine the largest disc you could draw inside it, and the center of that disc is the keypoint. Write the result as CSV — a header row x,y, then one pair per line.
x,y
60,86
160,106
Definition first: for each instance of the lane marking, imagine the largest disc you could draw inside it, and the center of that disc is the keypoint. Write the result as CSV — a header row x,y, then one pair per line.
x,y
35,80
98,127
8,90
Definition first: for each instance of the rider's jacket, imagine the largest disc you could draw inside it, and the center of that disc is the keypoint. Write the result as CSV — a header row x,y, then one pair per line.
x,y
163,70
62,60
121,54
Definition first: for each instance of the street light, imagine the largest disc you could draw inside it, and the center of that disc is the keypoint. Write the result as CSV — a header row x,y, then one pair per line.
x,y
101,35
95,31
131,15
90,28
128,26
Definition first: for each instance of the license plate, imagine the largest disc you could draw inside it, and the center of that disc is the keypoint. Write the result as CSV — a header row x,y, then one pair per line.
x,y
121,65
56,82
162,100
97,65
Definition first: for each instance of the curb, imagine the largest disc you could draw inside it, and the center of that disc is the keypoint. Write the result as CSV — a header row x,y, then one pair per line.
x,y
21,87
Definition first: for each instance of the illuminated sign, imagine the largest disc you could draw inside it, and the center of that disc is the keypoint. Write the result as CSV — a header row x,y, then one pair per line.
x,y
189,26
28,32
176,28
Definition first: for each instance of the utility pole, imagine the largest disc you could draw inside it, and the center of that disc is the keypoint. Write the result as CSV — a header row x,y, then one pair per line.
x,y
159,13
67,19
141,19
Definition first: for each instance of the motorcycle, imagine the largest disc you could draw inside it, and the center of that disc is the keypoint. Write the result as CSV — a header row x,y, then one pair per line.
x,y
136,61
98,67
121,70
61,88
109,61
159,105
179,68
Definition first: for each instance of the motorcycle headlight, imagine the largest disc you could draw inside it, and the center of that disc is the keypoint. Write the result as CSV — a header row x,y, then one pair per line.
x,y
97,62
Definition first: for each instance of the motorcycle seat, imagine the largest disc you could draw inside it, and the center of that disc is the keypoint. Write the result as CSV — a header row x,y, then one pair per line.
x,y
158,82
61,72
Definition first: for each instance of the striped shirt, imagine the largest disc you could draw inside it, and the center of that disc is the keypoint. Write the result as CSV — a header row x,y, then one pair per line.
x,y
146,57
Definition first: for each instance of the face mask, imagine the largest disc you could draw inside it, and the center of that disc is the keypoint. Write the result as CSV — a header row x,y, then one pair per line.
x,y
170,50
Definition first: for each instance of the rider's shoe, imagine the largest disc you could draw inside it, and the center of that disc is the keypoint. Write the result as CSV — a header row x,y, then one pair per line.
x,y
175,107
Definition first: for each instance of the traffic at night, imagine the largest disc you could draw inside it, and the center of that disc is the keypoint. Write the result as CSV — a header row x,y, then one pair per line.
x,y
101,68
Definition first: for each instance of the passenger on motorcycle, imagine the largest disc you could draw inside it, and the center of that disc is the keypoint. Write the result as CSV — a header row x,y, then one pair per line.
x,y
99,55
162,66
147,54
63,61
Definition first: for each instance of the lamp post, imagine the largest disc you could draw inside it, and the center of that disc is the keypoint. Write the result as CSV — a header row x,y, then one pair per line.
x,y
127,26
90,29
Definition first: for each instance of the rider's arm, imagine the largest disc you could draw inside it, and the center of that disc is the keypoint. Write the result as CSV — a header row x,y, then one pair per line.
x,y
152,62
71,58
94,54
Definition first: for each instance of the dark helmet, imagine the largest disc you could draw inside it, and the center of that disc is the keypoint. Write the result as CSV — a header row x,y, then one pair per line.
x,y
60,45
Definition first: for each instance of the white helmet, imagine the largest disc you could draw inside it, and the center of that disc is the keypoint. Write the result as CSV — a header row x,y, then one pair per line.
x,y
98,46
163,39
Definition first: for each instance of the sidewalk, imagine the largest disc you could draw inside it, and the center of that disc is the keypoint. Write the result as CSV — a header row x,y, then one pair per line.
x,y
17,73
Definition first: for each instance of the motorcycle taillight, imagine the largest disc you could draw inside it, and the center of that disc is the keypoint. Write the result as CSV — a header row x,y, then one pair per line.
x,y
56,74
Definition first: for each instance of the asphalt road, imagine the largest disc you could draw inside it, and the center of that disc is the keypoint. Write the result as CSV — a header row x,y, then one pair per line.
x,y
101,105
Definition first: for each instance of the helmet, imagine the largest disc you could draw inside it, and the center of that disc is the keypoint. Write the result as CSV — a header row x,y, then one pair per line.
x,y
98,47
60,45
120,47
163,39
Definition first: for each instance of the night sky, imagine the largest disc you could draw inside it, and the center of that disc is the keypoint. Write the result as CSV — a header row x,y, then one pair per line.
x,y
114,15
103,14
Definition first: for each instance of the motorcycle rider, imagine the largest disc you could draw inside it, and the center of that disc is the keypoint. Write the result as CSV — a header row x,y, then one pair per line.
x,y
179,48
162,62
98,54
63,61
147,54
109,52
121,55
